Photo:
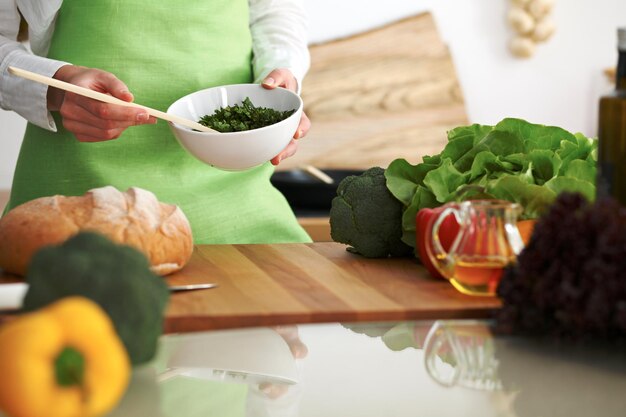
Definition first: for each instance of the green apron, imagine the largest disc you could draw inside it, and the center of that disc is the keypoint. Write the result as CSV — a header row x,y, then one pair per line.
x,y
162,50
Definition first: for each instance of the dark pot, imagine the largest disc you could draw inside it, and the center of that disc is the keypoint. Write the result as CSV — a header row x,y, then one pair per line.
x,y
309,194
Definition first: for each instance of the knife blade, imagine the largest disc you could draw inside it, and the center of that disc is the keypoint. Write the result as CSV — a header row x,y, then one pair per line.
x,y
12,294
192,287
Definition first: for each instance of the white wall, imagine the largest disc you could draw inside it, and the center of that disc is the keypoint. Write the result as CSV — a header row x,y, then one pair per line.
x,y
559,85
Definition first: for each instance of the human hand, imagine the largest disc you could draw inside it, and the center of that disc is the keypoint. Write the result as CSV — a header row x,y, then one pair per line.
x,y
291,335
284,78
92,120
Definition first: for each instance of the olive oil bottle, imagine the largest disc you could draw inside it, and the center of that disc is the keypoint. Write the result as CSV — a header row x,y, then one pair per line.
x,y
612,132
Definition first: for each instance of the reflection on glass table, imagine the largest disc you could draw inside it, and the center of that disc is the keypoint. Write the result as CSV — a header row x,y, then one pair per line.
x,y
255,356
462,353
443,368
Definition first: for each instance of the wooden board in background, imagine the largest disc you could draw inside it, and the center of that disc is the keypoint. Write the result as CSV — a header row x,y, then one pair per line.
x,y
4,199
266,285
388,93
318,228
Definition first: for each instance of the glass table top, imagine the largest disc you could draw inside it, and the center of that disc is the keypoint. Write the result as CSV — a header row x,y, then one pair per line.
x,y
440,368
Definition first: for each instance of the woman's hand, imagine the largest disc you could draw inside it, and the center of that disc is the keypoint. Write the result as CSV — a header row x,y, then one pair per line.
x,y
91,120
284,78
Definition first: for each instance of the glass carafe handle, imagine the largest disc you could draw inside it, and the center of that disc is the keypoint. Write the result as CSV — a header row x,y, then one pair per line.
x,y
441,259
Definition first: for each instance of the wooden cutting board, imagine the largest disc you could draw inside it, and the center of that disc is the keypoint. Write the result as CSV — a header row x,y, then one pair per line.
x,y
265,285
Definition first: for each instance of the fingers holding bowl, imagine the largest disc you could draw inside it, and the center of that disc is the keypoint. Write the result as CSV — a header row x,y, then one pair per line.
x,y
290,150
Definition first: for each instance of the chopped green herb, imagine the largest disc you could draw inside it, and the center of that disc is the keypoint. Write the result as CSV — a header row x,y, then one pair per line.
x,y
246,116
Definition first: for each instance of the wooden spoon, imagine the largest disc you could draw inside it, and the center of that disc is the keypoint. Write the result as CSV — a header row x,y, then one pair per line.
x,y
317,173
62,85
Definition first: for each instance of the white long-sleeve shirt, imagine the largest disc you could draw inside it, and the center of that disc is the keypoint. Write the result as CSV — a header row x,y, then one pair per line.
x,y
279,40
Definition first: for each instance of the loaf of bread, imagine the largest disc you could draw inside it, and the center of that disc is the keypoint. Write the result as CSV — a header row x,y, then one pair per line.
x,y
135,217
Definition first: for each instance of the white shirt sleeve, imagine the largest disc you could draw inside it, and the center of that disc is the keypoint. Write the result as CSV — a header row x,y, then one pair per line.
x,y
27,98
279,37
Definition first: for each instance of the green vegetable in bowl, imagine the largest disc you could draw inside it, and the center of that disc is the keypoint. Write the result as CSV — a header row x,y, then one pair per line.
x,y
117,277
244,116
366,216
515,160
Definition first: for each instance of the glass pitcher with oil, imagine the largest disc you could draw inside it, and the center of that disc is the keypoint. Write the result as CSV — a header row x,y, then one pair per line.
x,y
488,240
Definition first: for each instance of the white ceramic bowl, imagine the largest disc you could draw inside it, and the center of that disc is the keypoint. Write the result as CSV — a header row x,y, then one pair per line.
x,y
236,150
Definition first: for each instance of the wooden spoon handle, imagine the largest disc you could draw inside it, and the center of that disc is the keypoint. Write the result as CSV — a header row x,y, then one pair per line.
x,y
317,173
62,85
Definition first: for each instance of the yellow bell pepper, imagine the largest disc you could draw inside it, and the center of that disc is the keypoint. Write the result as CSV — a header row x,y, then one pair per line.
x,y
64,360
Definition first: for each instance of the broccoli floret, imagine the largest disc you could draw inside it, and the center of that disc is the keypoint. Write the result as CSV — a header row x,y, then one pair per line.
x,y
367,216
117,277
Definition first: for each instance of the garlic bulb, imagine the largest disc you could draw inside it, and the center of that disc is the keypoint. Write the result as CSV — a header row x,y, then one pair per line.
x,y
521,21
543,30
540,8
531,22
522,46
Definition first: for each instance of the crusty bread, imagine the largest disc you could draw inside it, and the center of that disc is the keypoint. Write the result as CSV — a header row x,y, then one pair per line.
x,y
136,218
